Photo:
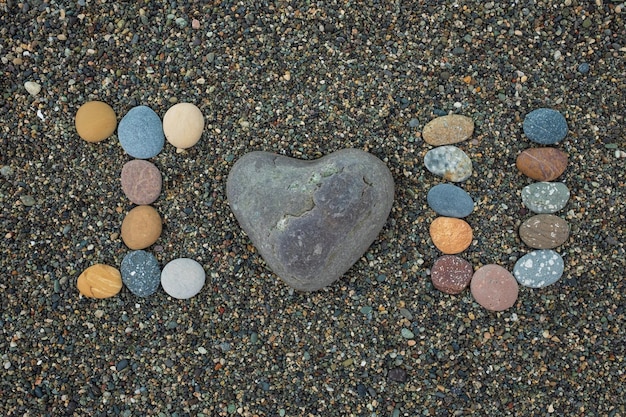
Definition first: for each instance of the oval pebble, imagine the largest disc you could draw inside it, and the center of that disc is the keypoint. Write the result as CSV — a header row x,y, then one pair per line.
x,y
545,197
451,274
141,181
141,227
451,235
183,124
539,268
99,281
450,200
494,288
449,162
542,164
95,121
447,130
141,133
182,278
545,126
141,273
544,231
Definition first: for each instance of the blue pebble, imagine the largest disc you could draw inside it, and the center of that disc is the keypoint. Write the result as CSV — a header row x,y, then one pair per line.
x,y
583,68
450,201
141,133
539,268
545,126
141,273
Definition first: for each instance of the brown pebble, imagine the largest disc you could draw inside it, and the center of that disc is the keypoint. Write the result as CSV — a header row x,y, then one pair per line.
x,y
99,281
95,121
141,181
141,227
544,231
542,164
447,130
494,288
451,274
451,235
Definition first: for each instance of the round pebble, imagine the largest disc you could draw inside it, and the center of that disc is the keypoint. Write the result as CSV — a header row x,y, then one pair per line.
x,y
451,235
141,227
539,268
494,288
183,124
182,278
449,162
32,87
583,68
544,231
99,281
545,197
141,181
450,201
95,121
542,164
451,274
545,126
141,133
141,273
447,130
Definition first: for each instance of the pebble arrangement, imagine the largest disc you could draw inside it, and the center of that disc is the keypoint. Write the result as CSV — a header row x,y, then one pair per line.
x,y
492,286
142,136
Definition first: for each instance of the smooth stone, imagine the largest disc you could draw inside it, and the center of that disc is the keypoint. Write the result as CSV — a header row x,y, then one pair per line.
x,y
141,181
545,197
494,288
450,201
539,268
583,68
95,121
141,227
99,281
545,126
183,278
449,162
447,130
32,87
141,133
141,273
183,124
451,274
542,164
311,220
544,231
451,235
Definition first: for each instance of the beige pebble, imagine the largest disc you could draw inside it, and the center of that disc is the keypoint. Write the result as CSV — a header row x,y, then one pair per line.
x,y
183,124
99,281
32,87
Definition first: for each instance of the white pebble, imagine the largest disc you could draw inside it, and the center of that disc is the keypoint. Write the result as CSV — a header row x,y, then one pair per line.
x,y
32,87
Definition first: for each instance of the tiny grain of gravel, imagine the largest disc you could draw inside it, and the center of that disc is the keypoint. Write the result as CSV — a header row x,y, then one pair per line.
x,y
305,79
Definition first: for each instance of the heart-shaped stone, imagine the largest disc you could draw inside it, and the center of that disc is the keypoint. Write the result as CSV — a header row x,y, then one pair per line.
x,y
310,220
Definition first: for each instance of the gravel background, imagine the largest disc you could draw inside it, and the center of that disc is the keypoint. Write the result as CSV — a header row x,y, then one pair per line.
x,y
304,79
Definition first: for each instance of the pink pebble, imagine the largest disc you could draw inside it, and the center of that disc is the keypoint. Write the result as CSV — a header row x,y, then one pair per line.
x,y
494,288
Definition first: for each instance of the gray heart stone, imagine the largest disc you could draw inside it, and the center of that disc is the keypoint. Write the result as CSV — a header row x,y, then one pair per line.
x,y
310,220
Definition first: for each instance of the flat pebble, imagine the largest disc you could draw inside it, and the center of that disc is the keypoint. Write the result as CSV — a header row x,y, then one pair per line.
x,y
28,200
183,124
140,273
182,278
451,274
542,164
141,181
95,121
449,162
99,281
545,197
544,231
32,87
141,133
539,268
447,130
450,200
583,68
141,227
494,288
406,333
451,235
545,126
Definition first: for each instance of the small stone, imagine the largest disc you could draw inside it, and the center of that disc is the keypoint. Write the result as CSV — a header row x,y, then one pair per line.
x,y
6,171
95,121
141,181
28,200
447,130
545,197
183,278
397,375
183,124
99,281
311,220
494,288
450,201
545,126
451,274
141,133
406,333
542,164
544,231
195,24
583,68
32,87
539,268
449,162
141,227
140,273
451,235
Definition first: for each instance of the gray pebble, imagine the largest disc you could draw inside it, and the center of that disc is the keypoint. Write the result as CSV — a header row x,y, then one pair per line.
x,y
183,278
6,171
545,197
141,133
140,273
545,126
539,268
450,201
449,162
